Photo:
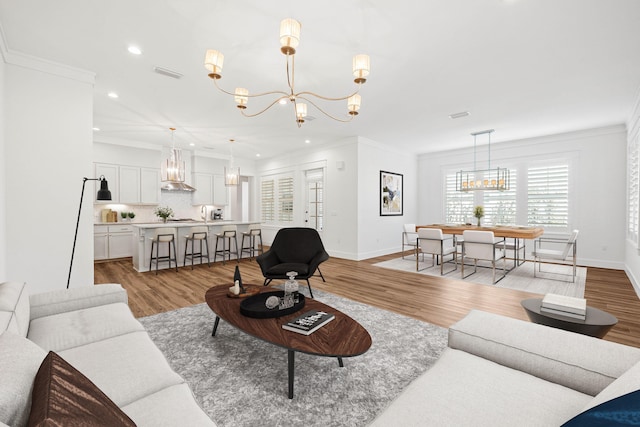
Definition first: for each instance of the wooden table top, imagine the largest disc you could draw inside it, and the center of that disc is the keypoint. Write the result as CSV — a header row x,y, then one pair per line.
x,y
342,337
511,231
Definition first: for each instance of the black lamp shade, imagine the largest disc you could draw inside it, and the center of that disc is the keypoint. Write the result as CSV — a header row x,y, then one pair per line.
x,y
104,193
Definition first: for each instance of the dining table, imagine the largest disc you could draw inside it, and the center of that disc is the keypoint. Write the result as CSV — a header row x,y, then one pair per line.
x,y
519,233
508,231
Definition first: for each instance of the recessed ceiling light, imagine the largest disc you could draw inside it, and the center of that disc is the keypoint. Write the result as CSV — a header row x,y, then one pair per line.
x,y
459,115
192,144
307,141
134,50
257,154
112,95
96,129
283,101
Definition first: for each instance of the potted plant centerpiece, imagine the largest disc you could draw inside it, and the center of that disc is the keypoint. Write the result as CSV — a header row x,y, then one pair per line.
x,y
478,212
164,212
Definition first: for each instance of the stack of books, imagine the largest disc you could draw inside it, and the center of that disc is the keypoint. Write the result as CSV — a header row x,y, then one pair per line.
x,y
564,306
309,322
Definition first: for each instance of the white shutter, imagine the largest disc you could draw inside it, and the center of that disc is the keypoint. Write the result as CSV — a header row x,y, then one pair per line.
x,y
548,196
500,206
285,199
268,200
633,172
458,205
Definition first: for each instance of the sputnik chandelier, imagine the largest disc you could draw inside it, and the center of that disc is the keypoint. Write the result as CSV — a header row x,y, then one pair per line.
x,y
289,40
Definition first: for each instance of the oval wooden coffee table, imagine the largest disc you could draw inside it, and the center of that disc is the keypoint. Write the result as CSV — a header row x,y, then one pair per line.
x,y
342,337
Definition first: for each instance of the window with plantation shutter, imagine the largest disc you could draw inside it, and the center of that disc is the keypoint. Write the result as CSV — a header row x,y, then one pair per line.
x,y
548,196
285,199
458,205
267,201
633,173
500,206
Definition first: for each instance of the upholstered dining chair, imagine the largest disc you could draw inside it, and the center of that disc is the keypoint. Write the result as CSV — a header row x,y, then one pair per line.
x,y
432,241
298,249
409,237
555,255
483,245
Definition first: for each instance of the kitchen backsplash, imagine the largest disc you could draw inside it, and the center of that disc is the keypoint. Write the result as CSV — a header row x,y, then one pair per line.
x,y
179,201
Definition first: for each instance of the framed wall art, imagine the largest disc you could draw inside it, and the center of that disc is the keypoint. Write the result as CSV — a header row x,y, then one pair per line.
x,y
390,193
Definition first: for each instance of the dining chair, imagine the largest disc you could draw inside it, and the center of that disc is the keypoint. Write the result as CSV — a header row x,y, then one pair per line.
x,y
432,241
409,237
558,256
518,246
483,245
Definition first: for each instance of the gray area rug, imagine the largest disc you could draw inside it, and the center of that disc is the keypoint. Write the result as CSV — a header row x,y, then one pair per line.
x,y
554,279
240,380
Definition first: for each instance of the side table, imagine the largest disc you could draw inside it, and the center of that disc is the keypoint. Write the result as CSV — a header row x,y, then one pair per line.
x,y
596,324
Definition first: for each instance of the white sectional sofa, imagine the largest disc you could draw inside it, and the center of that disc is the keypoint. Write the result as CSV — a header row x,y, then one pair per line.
x,y
499,371
93,329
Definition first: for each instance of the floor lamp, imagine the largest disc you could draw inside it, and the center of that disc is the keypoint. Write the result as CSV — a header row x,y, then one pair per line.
x,y
103,194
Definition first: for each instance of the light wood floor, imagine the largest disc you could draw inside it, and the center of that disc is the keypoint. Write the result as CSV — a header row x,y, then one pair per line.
x,y
441,301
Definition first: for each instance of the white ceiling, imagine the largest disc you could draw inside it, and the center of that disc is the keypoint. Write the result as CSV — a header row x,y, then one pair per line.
x,y
522,67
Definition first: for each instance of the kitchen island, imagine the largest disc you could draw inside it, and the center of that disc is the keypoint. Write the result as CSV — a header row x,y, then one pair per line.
x,y
143,233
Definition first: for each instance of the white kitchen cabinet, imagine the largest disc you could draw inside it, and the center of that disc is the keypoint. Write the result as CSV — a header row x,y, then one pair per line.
x,y
120,241
112,241
110,172
100,242
220,192
129,184
149,185
203,182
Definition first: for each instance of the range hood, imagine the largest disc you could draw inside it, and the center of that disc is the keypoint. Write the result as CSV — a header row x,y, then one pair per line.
x,y
176,186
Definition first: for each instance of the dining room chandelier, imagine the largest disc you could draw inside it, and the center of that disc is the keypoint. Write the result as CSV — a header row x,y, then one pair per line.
x,y
483,179
289,40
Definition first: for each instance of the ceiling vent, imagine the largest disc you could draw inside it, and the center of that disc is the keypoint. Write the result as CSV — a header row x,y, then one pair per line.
x,y
167,72
459,115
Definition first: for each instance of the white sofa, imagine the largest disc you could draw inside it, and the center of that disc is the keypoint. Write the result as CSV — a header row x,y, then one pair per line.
x,y
499,371
93,329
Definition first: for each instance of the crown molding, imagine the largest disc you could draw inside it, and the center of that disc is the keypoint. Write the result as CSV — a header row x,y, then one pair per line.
x,y
43,65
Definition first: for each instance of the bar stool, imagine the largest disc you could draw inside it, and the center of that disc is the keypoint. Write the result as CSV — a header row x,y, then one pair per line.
x,y
168,236
252,234
227,233
198,234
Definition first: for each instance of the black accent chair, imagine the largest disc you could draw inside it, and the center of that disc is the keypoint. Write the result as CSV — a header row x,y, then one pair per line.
x,y
297,249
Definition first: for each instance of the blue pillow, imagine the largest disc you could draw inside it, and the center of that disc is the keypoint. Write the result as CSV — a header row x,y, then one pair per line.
x,y
621,411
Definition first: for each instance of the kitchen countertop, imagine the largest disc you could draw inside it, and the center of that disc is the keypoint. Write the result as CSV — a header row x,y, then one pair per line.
x,y
175,223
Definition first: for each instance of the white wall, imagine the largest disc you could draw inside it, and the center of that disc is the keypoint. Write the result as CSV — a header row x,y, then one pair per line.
x,y
48,146
3,168
380,235
598,162
353,228
340,193
130,156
